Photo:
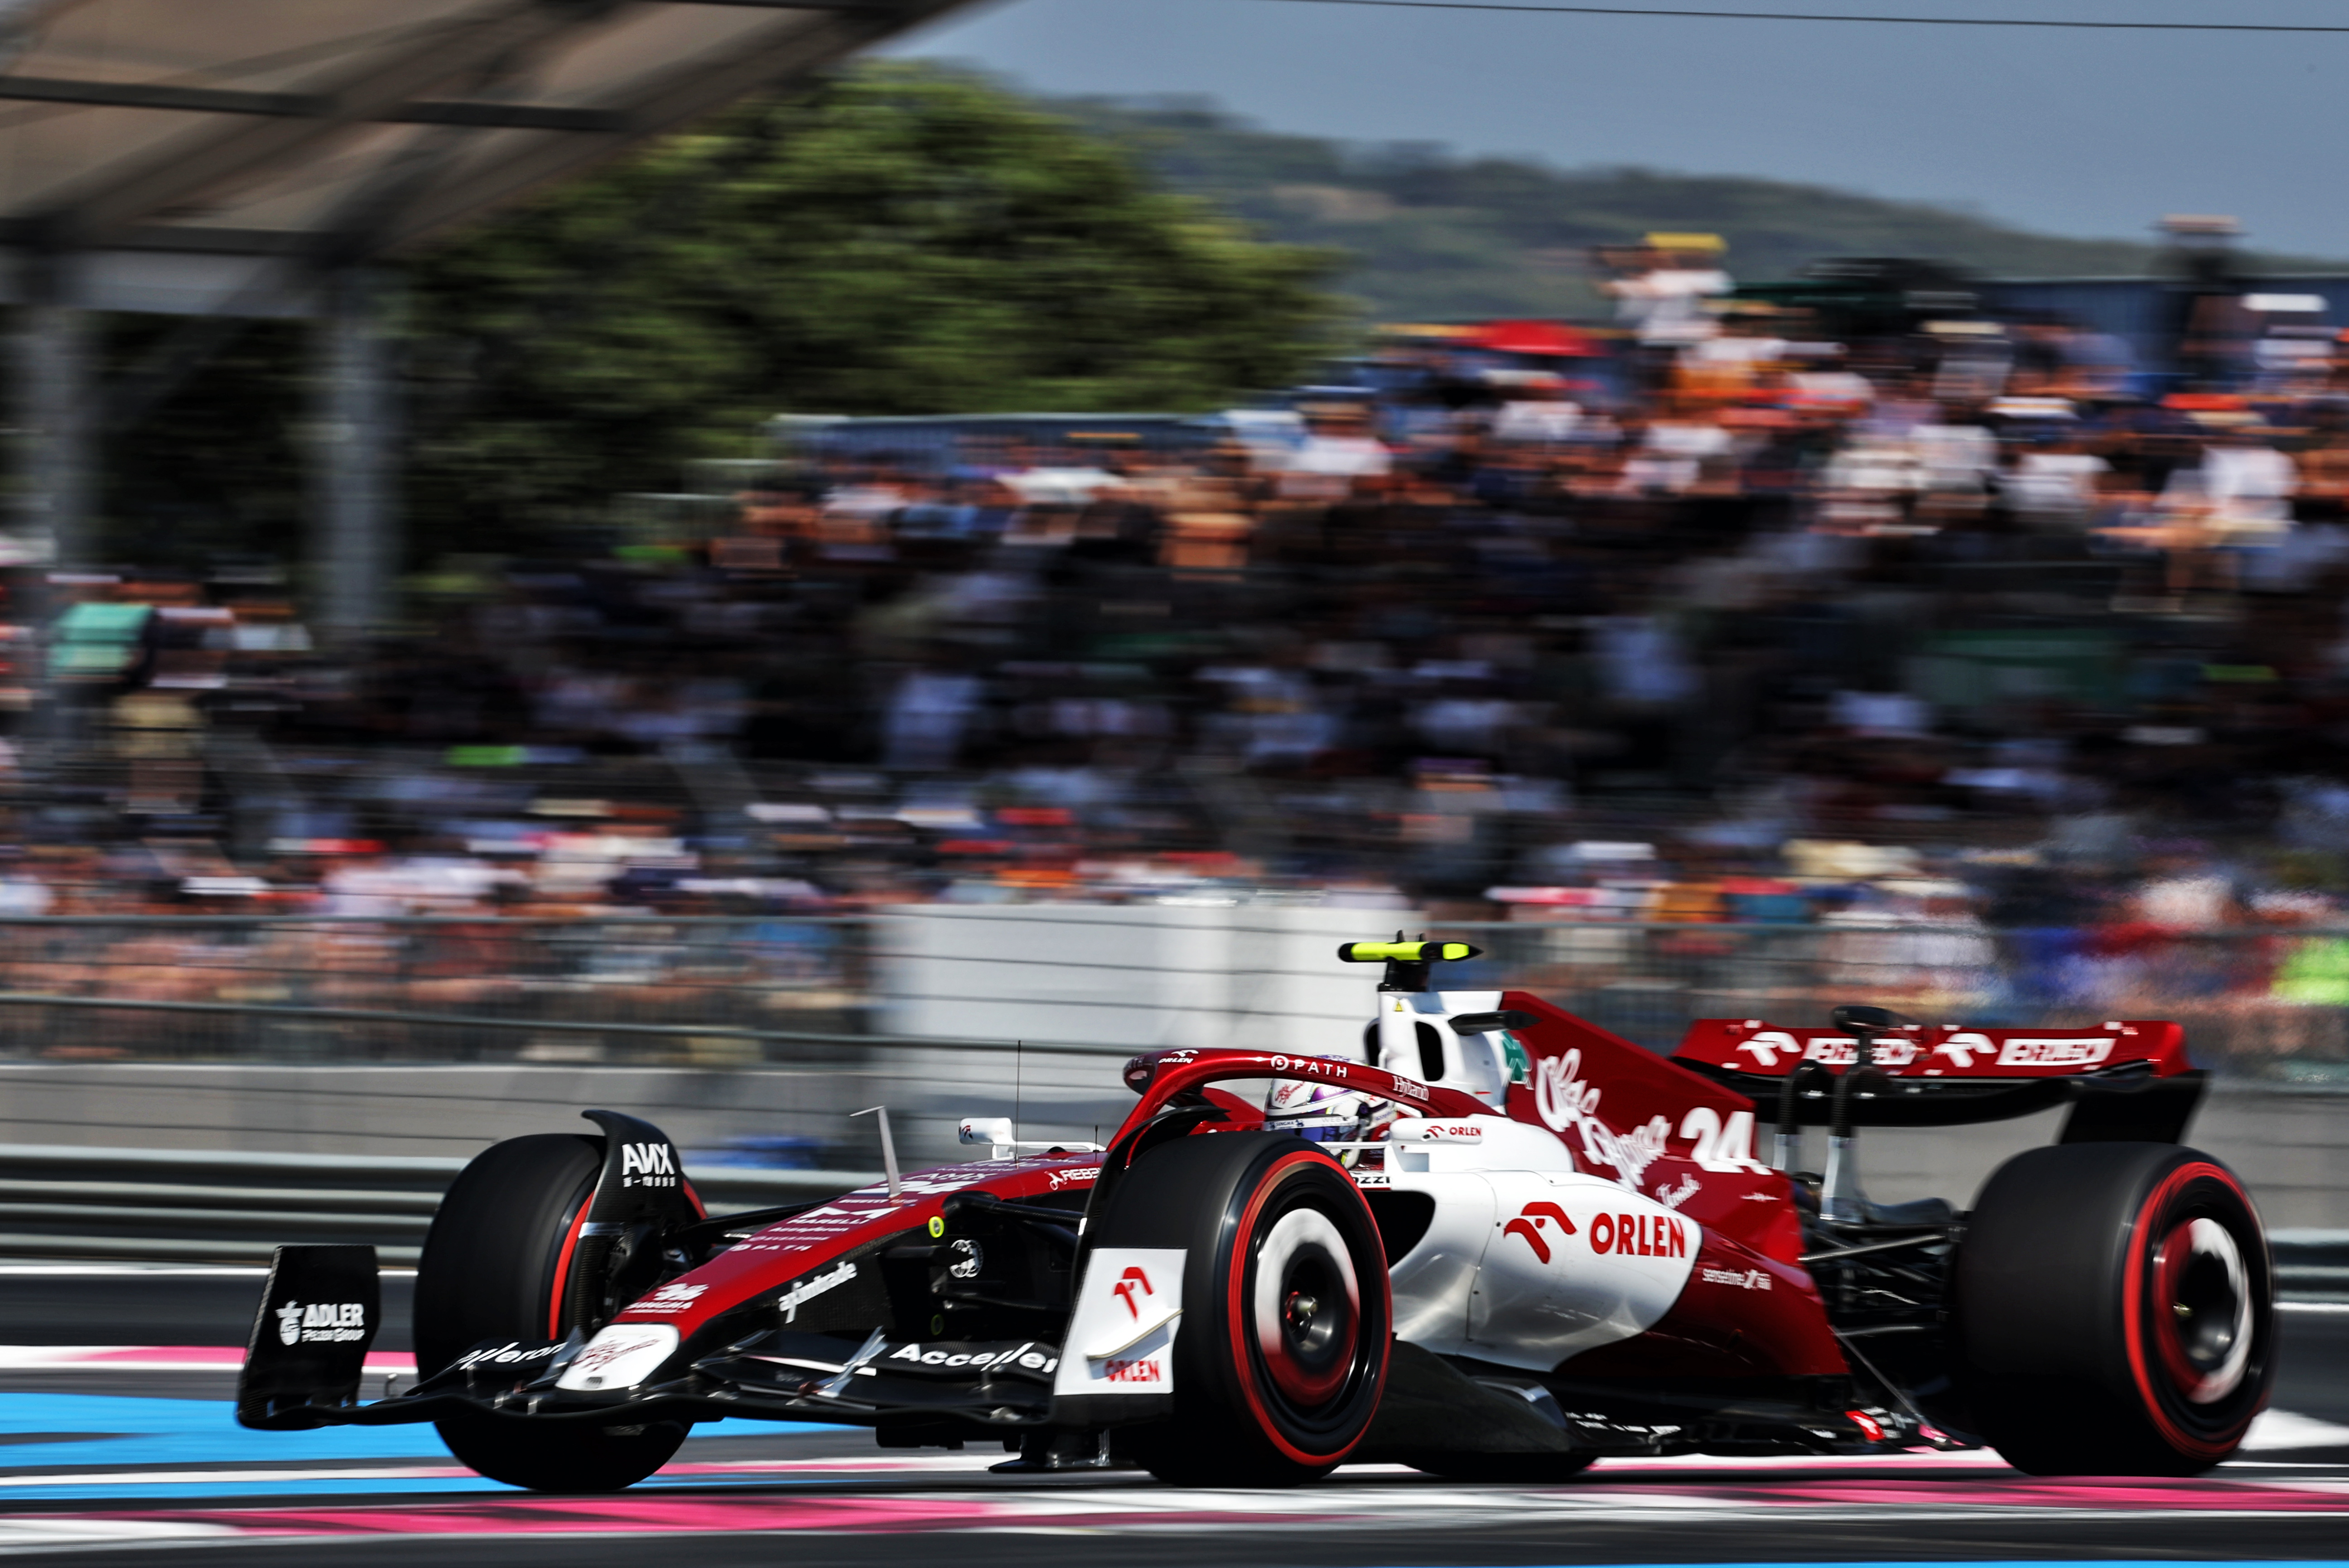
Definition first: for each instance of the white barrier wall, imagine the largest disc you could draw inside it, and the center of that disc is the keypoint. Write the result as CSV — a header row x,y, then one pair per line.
x,y
1145,978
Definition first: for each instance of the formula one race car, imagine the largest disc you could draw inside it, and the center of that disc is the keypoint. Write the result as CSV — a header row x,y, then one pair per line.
x,y
1497,1244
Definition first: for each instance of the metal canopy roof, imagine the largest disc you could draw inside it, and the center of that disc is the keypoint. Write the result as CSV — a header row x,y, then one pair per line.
x,y
199,155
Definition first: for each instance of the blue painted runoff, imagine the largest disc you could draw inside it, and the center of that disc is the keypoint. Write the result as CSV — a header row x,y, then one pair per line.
x,y
166,1433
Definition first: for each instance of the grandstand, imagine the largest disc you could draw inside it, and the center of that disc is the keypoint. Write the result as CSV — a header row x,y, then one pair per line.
x,y
248,158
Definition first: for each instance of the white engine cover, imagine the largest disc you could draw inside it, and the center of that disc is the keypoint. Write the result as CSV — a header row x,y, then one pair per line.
x,y
1576,1261
1434,1282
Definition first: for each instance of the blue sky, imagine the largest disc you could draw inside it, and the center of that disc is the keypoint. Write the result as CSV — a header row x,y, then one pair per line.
x,y
2076,133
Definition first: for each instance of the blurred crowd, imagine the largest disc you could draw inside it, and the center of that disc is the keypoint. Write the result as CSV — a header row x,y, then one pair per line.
x,y
1729,611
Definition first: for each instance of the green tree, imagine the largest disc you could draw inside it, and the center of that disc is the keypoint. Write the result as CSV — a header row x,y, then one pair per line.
x,y
905,241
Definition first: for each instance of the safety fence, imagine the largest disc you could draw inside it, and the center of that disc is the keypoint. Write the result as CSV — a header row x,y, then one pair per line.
x,y
723,991
235,1207
128,1204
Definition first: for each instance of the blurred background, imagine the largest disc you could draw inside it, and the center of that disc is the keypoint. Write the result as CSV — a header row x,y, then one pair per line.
x,y
560,555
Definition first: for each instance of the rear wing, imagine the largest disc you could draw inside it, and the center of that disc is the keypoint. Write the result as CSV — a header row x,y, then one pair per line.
x,y
2125,1080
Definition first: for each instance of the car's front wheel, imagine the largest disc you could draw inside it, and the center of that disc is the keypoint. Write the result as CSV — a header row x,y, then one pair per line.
x,y
2115,1311
493,1268
1287,1314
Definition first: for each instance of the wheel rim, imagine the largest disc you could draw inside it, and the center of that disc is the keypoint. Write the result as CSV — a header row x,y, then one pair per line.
x,y
2202,1311
1307,1308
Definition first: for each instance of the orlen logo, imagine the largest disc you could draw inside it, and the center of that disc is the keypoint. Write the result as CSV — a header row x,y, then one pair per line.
x,y
1640,1235
1138,1371
1530,1222
1124,1288
647,1165
321,1323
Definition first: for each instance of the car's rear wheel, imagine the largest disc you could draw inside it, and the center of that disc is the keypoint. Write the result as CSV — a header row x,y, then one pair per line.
x,y
1287,1315
493,1268
2115,1311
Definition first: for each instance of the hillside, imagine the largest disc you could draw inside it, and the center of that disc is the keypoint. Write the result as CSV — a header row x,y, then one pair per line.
x,y
1438,236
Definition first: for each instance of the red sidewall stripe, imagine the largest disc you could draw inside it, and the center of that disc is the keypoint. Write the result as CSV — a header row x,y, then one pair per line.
x,y
1240,1323
2133,1304
562,1266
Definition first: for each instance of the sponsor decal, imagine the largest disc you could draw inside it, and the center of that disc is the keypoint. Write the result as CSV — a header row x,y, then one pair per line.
x,y
1312,1066
676,1296
1411,1088
1961,1048
647,1165
1120,1333
1025,1356
503,1355
1674,1197
1126,1285
1568,1104
1638,1236
1178,1058
1521,1064
1743,1279
321,1323
1869,1427
814,1285
1532,1220
1372,1178
622,1356
1767,1046
1841,1050
2075,1052
1083,1176
619,1348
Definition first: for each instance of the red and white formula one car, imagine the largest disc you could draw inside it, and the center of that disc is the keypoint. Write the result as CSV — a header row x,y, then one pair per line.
x,y
1500,1243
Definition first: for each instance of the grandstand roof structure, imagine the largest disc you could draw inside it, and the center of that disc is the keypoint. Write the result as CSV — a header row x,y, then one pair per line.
x,y
201,156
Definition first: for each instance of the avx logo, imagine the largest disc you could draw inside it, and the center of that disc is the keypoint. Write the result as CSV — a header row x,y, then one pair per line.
x,y
1530,1222
1124,1289
647,1165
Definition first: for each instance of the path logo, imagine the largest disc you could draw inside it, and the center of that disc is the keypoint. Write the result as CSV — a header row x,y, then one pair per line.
x,y
1530,1222
320,1322
647,1165
1124,1289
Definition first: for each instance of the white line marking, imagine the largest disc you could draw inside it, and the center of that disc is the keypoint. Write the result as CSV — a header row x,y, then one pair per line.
x,y
2283,1429
175,1271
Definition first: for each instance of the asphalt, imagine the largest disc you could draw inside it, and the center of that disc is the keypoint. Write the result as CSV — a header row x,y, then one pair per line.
x,y
114,1455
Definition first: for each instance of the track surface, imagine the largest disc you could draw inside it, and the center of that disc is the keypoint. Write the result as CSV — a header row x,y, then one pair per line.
x,y
115,1454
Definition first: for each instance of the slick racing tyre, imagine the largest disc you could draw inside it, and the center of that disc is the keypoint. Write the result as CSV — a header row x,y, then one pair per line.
x,y
493,1268
1287,1316
2114,1311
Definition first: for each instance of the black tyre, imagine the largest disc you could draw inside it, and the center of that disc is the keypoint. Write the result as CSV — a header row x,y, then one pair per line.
x,y
493,1268
1287,1315
2114,1311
